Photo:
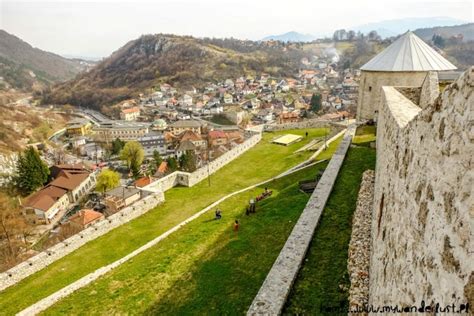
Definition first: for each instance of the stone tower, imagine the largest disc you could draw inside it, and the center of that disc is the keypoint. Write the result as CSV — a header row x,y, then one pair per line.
x,y
405,62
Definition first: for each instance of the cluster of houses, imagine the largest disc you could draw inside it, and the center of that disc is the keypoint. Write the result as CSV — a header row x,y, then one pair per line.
x,y
168,139
262,98
68,185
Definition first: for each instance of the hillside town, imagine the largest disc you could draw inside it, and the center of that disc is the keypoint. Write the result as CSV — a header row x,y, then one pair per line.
x,y
176,130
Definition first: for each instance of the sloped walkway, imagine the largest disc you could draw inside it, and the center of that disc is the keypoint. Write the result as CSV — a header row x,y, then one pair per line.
x,y
276,287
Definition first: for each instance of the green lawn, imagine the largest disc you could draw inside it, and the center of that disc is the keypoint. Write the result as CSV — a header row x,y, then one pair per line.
x,y
323,279
365,134
206,268
259,163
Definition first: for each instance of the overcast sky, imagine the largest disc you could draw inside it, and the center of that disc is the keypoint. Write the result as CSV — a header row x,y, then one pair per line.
x,y
97,28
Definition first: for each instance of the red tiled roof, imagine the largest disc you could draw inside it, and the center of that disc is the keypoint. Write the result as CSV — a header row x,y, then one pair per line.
x,y
217,134
131,110
163,167
86,216
45,198
69,181
189,135
143,181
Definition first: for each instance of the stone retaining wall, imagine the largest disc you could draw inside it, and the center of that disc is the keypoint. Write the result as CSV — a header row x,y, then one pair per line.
x,y
45,258
310,123
359,247
275,289
189,179
422,221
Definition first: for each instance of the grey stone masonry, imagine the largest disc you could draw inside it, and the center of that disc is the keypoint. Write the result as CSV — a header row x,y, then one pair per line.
x,y
358,263
275,289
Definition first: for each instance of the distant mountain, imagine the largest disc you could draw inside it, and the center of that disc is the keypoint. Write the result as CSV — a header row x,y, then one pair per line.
x,y
183,61
467,30
25,67
390,28
290,37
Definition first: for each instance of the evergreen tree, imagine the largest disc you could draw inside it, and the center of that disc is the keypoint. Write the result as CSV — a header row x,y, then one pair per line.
x,y
316,102
31,171
191,161
117,146
172,164
187,161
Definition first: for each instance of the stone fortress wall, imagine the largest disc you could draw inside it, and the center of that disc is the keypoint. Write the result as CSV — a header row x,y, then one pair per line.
x,y
311,123
370,88
45,258
423,220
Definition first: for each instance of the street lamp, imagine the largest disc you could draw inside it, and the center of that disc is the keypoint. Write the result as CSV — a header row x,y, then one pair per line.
x,y
208,172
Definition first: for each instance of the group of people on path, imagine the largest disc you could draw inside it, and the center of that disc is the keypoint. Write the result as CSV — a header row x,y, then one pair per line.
x,y
251,208
218,215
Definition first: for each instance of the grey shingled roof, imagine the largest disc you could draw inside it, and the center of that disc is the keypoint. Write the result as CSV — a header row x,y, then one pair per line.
x,y
408,53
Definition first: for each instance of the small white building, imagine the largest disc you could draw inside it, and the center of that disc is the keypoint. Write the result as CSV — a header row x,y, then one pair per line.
x,y
130,114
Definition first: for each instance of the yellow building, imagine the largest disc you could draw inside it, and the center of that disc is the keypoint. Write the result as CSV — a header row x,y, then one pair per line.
x,y
78,127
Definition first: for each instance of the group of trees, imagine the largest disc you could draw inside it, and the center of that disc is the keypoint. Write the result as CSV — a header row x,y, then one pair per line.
x,y
343,35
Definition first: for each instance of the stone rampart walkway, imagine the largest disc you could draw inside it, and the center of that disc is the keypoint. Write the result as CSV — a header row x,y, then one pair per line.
x,y
277,285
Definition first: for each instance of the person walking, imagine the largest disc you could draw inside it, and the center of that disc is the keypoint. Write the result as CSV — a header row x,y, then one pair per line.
x,y
236,226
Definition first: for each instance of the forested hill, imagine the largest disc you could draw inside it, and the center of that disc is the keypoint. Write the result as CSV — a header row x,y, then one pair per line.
x,y
179,60
24,67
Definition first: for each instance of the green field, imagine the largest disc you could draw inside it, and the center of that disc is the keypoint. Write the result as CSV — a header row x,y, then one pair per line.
x,y
323,280
261,162
365,135
205,268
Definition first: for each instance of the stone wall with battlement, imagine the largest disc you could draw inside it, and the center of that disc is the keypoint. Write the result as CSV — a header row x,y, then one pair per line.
x,y
422,220
370,88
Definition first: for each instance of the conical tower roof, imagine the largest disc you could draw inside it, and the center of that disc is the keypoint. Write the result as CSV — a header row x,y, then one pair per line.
x,y
408,53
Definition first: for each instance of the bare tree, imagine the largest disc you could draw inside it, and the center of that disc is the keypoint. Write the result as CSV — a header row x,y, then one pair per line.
x,y
14,231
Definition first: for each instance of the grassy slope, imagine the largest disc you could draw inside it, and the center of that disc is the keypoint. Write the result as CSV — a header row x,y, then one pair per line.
x,y
262,162
365,135
205,268
324,272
